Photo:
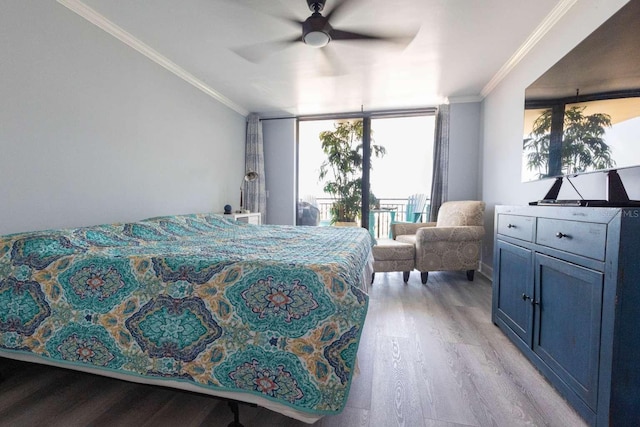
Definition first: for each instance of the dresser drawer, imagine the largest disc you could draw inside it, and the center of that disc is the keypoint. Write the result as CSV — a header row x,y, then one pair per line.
x,y
517,226
581,238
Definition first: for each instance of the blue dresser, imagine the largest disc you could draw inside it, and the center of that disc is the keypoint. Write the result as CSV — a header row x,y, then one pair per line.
x,y
566,291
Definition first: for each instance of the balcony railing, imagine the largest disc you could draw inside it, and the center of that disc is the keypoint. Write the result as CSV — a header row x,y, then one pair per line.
x,y
382,221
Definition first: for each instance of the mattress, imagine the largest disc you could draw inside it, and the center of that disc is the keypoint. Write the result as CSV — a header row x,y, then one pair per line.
x,y
264,314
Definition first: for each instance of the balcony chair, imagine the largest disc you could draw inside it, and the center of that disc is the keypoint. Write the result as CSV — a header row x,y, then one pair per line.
x,y
415,206
413,211
451,243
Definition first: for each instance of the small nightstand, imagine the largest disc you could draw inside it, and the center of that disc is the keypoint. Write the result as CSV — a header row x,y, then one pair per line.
x,y
249,218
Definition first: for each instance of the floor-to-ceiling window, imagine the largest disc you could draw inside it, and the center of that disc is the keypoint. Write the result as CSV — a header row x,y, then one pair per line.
x,y
399,150
401,180
311,156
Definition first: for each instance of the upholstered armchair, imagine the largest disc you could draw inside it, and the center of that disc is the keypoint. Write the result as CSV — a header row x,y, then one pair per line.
x,y
451,243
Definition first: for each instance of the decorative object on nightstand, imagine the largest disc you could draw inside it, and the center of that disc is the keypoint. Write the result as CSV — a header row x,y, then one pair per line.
x,y
227,209
248,177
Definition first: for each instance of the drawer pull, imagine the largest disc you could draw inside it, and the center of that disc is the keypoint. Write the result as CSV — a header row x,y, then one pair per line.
x,y
561,235
511,226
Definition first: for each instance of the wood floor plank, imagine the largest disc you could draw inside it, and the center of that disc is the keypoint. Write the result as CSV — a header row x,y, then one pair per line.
x,y
352,417
92,403
183,408
43,404
390,309
442,392
525,377
429,356
502,403
220,415
135,407
395,397
19,388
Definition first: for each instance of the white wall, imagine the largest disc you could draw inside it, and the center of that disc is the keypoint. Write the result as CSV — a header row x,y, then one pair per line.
x,y
279,138
464,151
93,132
503,112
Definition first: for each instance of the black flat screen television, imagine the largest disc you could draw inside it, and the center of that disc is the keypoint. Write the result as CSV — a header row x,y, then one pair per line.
x,y
583,114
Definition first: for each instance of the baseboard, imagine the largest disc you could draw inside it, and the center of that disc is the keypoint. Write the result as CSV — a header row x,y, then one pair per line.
x,y
486,270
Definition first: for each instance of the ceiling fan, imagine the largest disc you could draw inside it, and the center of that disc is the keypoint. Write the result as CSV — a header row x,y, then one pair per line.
x,y
317,32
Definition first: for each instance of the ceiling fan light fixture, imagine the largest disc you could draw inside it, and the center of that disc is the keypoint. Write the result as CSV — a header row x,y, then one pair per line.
x,y
317,38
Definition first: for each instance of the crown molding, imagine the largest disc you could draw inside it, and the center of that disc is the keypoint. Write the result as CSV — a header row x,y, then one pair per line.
x,y
111,28
464,99
534,38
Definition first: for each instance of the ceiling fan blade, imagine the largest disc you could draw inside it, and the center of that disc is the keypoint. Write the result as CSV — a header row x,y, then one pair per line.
x,y
258,52
348,35
272,9
287,17
336,9
334,67
339,35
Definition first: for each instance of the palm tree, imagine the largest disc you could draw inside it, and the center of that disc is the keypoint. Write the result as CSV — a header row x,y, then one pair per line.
x,y
537,145
583,145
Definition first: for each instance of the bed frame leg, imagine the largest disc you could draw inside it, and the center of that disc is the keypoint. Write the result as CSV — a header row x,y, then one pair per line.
x,y
233,405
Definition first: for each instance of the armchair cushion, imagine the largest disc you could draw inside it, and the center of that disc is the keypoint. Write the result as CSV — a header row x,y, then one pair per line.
x,y
449,234
408,228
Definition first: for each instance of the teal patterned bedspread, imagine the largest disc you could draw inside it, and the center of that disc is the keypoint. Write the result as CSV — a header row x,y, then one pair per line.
x,y
275,311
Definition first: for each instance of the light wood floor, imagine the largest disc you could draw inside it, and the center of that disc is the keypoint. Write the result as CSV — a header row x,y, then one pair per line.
x,y
429,356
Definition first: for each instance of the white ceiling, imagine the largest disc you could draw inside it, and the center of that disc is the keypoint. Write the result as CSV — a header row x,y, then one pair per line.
x,y
461,48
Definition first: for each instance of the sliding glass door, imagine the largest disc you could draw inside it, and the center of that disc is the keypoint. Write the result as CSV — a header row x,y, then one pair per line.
x,y
330,166
385,162
401,180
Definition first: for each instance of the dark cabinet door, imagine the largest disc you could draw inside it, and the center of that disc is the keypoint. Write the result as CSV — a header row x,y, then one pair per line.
x,y
513,289
568,312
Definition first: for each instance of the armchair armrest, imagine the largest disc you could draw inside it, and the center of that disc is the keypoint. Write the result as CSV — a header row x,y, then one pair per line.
x,y
449,234
400,228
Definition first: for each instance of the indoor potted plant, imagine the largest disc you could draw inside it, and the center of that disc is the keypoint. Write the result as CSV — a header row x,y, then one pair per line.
x,y
342,170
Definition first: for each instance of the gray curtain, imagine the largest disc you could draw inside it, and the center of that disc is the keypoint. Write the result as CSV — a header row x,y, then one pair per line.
x,y
440,161
255,195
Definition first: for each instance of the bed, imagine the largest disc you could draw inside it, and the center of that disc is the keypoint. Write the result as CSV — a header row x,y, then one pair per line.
x,y
264,314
